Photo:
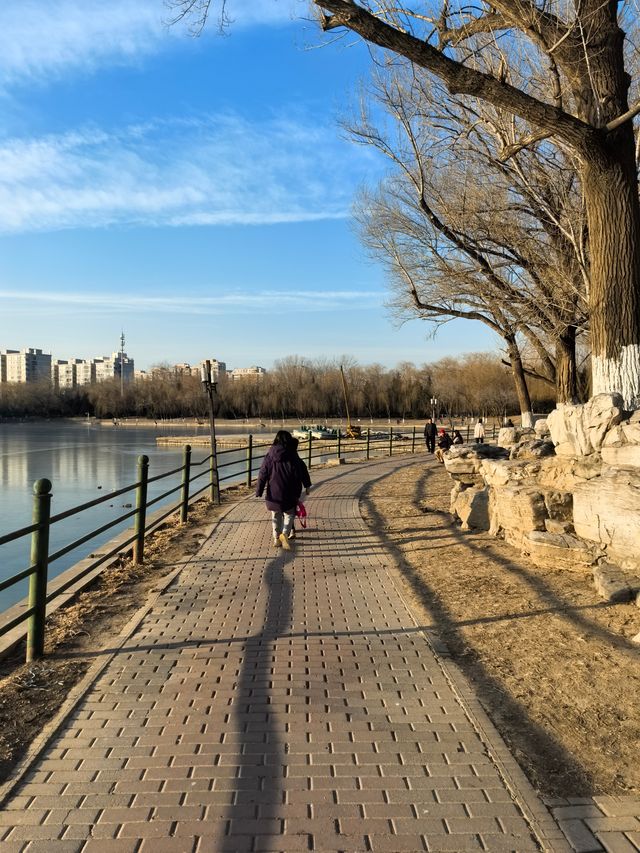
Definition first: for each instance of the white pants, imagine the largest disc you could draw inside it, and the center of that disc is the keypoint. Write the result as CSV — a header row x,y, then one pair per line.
x,y
282,522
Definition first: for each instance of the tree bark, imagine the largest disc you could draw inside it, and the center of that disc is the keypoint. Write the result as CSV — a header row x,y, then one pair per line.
x,y
520,382
566,373
611,196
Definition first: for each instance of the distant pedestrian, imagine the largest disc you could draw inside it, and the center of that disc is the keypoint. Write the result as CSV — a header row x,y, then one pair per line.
x,y
508,422
478,431
457,437
282,475
430,432
444,443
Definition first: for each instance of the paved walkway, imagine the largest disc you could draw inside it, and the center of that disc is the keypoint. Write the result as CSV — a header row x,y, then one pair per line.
x,y
274,701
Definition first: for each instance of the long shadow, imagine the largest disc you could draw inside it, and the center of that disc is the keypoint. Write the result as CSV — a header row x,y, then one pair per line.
x,y
554,771
261,748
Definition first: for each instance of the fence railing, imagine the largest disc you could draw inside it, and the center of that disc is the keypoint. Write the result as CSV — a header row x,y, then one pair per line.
x,y
313,450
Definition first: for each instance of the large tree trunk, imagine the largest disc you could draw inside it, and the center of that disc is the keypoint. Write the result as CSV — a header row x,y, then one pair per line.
x,y
610,183
566,373
520,382
611,195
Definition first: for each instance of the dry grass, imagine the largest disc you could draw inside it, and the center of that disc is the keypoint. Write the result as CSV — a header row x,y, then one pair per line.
x,y
552,663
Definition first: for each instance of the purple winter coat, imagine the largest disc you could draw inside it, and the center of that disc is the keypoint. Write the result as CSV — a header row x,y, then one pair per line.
x,y
283,474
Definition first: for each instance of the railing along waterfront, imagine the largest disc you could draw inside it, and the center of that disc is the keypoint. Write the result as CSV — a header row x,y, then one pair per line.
x,y
313,450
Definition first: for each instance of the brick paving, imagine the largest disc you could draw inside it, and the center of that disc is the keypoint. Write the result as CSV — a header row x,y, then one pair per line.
x,y
275,701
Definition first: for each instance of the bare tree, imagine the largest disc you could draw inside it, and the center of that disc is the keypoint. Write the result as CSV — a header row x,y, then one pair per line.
x,y
586,110
470,236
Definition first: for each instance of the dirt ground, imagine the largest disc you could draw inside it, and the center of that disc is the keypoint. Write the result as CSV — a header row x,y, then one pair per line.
x,y
552,663
31,694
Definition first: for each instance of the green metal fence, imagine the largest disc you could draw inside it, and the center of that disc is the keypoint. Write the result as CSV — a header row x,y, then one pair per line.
x,y
313,451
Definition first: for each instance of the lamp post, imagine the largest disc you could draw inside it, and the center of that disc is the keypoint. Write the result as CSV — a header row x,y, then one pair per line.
x,y
210,389
434,403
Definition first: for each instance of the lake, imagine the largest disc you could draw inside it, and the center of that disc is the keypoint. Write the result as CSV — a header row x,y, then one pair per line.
x,y
84,461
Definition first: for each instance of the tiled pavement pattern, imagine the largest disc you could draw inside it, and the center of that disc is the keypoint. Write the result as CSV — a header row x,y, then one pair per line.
x,y
275,701
599,824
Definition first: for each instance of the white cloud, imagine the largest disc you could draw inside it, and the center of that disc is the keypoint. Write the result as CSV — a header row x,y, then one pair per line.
x,y
41,38
237,302
216,170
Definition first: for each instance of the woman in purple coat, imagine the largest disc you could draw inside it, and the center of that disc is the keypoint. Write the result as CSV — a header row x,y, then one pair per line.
x,y
283,474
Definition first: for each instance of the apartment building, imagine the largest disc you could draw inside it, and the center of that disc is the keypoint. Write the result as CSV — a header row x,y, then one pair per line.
x,y
115,366
25,365
69,373
218,369
247,373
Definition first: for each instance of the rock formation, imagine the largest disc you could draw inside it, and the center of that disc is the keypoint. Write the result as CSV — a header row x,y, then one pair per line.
x,y
566,493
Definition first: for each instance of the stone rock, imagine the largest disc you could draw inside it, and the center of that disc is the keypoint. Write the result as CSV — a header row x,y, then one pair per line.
x,y
552,525
517,510
464,463
508,436
455,491
627,456
559,506
611,584
606,511
564,474
558,551
497,474
534,449
621,445
636,639
578,430
472,508
541,428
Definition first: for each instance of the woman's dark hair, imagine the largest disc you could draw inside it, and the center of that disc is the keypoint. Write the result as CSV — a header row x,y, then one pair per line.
x,y
283,437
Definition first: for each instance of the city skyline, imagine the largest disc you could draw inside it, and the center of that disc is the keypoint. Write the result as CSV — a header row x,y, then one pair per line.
x,y
159,182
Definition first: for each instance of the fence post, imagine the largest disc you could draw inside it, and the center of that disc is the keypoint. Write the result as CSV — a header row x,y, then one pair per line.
x,y
249,460
368,443
214,482
390,441
413,441
339,437
186,474
309,451
39,561
141,509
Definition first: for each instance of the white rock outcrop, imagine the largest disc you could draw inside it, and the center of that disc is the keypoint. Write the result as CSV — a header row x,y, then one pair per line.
x,y
606,510
574,510
578,430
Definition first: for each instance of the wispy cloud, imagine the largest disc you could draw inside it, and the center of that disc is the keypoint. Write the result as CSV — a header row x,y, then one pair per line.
x,y
238,302
214,170
40,39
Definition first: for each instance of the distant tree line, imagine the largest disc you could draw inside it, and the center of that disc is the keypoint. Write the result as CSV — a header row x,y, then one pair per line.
x,y
299,388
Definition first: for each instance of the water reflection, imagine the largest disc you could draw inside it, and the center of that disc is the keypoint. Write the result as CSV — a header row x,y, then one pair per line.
x,y
83,462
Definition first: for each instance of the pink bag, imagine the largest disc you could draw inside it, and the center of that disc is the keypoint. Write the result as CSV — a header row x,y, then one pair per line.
x,y
301,513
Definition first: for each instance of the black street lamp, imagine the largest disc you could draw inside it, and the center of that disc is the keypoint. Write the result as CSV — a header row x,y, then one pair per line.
x,y
210,389
434,403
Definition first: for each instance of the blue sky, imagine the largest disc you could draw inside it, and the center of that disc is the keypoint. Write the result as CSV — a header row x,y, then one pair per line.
x,y
195,192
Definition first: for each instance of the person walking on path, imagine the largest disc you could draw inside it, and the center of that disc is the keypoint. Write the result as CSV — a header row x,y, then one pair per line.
x,y
282,477
478,432
430,432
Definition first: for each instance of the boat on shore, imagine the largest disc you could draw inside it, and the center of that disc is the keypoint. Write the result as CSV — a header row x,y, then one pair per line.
x,y
315,431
